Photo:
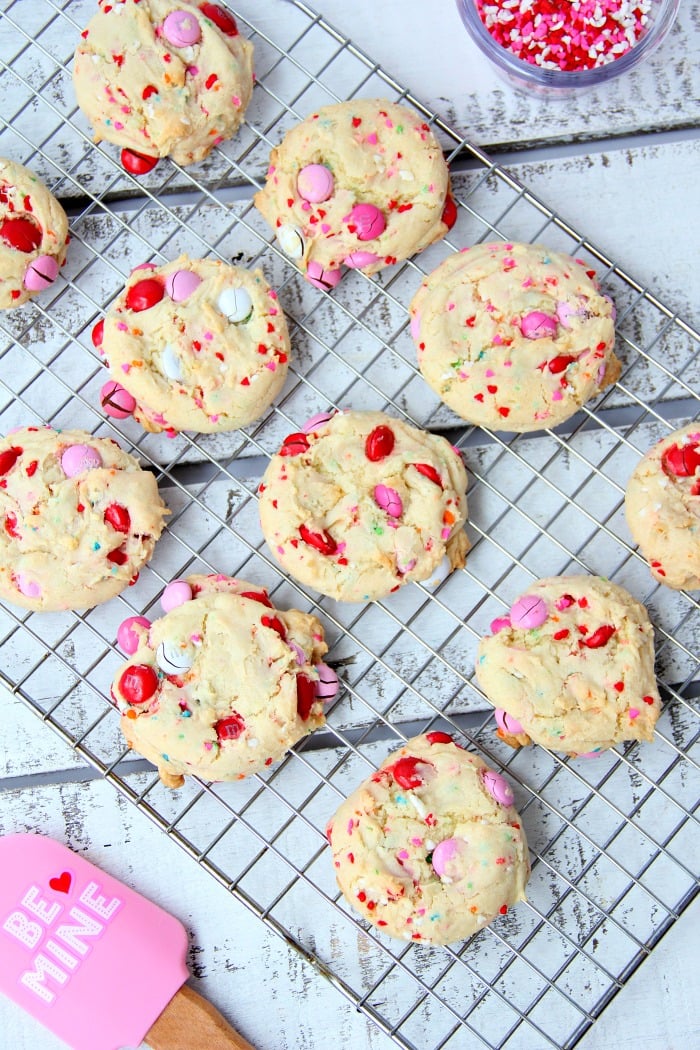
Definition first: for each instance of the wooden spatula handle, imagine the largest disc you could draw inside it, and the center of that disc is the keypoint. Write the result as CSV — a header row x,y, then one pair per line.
x,y
189,1022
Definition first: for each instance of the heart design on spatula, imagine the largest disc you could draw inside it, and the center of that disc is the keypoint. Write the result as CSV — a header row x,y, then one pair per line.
x,y
62,882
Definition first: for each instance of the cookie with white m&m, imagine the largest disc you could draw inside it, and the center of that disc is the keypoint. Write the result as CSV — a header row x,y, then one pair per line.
x,y
33,235
80,519
662,504
223,684
571,667
357,504
195,344
361,184
514,336
163,78
430,848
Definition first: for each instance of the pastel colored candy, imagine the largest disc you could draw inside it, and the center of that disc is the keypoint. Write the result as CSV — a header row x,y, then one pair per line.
x,y
415,327
181,29
176,593
359,259
182,283
528,612
369,221
116,401
316,421
28,586
41,273
127,638
172,658
537,325
501,623
498,787
170,362
388,499
291,240
235,304
78,458
448,858
507,723
315,183
321,278
327,685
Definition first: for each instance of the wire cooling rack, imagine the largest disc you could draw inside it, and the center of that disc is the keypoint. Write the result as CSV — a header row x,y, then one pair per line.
x,y
612,840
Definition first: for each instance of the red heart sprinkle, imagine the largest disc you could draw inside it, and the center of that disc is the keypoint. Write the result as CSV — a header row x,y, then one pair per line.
x,y
150,89
648,699
356,121
61,883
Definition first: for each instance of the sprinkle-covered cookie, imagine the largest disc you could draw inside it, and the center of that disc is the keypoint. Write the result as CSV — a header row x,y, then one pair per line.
x,y
514,336
662,504
33,235
571,667
80,519
361,184
163,78
359,503
193,345
430,848
222,684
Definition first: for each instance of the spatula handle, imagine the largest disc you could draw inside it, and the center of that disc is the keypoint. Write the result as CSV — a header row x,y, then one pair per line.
x,y
189,1022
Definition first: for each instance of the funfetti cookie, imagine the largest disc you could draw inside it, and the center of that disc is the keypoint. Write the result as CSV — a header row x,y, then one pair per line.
x,y
357,504
514,336
80,516
360,184
223,684
430,848
33,235
571,667
193,345
163,78
662,504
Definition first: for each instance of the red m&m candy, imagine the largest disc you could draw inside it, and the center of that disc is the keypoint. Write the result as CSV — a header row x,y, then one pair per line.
x,y
144,294
306,696
322,541
137,163
221,18
294,444
138,683
229,728
681,461
118,517
429,472
449,212
379,444
21,233
8,458
97,334
406,773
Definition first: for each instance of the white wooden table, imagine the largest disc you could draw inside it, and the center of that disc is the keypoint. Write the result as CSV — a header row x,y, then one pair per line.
x,y
623,165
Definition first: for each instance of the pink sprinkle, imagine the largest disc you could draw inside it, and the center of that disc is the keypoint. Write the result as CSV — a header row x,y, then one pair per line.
x,y
213,419
208,335
236,101
272,293
450,306
416,841
126,368
445,534
325,228
193,70
489,372
372,139
118,126
388,123
122,327
633,713
208,745
557,395
403,854
350,827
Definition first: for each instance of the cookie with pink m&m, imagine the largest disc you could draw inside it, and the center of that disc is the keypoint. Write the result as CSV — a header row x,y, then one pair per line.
x,y
514,336
222,684
195,345
360,184
430,848
163,78
79,519
363,503
662,504
33,235
571,667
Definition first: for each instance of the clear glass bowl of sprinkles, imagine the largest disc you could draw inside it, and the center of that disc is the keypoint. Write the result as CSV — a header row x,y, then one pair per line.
x,y
557,48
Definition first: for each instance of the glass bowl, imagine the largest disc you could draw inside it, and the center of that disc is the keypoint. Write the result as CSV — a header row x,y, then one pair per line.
x,y
534,79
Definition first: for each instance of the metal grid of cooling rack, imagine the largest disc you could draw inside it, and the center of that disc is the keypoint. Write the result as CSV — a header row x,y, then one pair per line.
x,y
610,839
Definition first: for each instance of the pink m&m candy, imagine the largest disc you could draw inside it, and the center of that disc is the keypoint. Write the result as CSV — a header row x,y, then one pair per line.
x,y
448,858
41,273
315,183
27,586
127,638
369,221
116,401
78,458
176,593
537,325
181,29
388,500
327,685
507,723
528,612
498,787
316,421
415,327
501,623
181,284
358,260
322,278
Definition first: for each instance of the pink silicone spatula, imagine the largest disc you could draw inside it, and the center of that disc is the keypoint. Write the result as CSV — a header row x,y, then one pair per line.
x,y
98,964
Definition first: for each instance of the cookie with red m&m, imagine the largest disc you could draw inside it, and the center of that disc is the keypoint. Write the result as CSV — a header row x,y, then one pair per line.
x,y
79,518
360,184
222,684
430,848
571,667
33,235
357,504
662,504
196,344
163,78
514,336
